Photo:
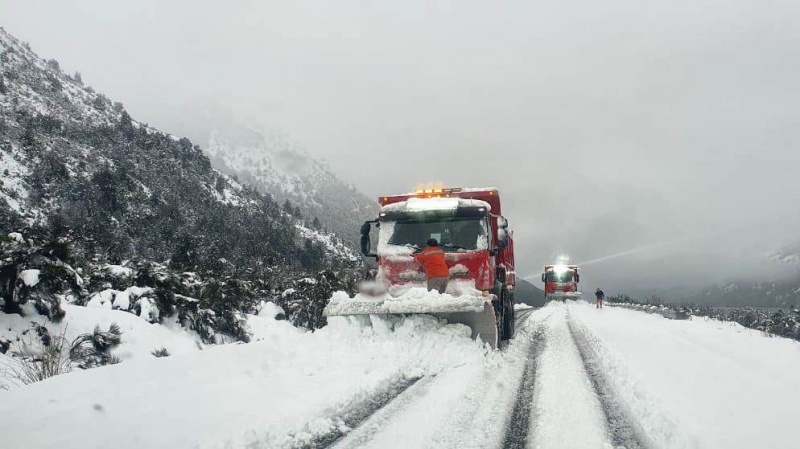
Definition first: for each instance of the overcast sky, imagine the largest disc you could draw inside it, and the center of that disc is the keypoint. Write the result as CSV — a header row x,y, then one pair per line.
x,y
609,126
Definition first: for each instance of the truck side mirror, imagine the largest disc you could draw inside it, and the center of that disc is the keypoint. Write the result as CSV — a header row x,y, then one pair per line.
x,y
365,228
577,277
365,242
502,238
502,223
544,277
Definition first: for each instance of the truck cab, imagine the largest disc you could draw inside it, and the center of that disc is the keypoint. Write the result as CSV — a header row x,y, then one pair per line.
x,y
467,224
561,281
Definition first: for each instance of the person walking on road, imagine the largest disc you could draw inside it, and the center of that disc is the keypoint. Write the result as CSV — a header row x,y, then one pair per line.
x,y
432,260
600,297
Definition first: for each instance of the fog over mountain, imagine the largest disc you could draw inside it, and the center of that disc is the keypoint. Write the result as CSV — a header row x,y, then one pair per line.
x,y
663,134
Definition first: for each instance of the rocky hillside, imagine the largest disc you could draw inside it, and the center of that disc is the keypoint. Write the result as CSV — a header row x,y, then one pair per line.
x,y
273,164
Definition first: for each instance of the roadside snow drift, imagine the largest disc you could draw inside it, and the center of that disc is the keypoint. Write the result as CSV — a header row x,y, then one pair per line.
x,y
281,391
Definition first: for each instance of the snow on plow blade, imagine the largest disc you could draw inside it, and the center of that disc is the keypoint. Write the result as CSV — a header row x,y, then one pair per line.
x,y
562,296
473,311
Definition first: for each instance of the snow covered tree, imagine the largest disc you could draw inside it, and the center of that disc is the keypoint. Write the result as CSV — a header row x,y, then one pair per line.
x,y
287,207
307,298
126,125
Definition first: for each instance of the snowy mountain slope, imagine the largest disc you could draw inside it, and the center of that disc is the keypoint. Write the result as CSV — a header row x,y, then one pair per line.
x,y
272,163
527,293
772,281
574,376
782,293
789,254
72,159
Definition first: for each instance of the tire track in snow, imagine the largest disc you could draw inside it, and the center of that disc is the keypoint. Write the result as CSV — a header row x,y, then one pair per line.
x,y
479,418
519,425
375,423
360,412
624,430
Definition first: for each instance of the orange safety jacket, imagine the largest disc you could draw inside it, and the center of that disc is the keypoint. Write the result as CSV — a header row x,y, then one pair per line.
x,y
432,259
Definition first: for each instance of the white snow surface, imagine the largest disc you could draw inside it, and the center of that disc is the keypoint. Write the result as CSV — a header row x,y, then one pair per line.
x,y
277,392
699,383
417,300
686,384
30,277
430,204
139,338
119,270
16,236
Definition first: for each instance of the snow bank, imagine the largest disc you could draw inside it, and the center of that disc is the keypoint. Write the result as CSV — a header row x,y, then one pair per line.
x,y
281,391
270,310
139,338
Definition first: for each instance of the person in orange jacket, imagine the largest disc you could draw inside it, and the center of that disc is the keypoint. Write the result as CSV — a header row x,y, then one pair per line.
x,y
432,260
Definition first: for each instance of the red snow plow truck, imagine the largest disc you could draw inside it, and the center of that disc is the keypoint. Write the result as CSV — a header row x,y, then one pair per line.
x,y
561,282
479,253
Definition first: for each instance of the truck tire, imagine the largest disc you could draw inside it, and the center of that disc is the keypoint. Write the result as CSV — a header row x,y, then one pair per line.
x,y
510,318
500,312
505,315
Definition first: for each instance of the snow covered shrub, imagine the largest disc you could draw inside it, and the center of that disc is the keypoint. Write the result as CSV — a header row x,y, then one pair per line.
x,y
4,345
227,299
163,352
36,275
41,357
94,349
200,321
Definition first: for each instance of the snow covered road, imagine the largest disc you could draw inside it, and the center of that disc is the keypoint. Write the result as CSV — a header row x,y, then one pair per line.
x,y
574,376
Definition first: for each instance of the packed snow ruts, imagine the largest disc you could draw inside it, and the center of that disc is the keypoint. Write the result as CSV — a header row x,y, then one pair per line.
x,y
359,413
518,428
374,424
623,430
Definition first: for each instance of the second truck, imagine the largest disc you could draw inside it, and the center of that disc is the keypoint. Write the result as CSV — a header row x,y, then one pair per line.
x,y
561,282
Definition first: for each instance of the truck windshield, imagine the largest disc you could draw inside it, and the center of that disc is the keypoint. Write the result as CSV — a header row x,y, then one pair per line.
x,y
565,276
453,234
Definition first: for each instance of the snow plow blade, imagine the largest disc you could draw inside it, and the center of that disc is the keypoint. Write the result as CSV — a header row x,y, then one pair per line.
x,y
563,296
477,313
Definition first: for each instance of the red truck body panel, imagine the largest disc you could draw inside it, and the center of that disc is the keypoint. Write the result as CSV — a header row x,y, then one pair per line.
x,y
481,266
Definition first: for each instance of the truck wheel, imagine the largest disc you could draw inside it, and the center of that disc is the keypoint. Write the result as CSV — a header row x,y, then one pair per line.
x,y
510,319
500,312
